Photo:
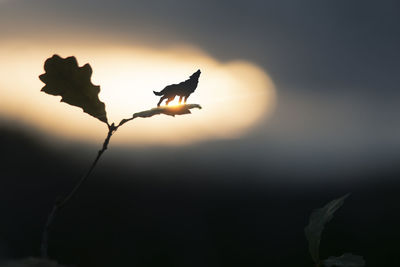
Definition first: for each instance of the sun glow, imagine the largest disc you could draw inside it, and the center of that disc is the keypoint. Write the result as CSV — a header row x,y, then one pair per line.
x,y
174,104
234,95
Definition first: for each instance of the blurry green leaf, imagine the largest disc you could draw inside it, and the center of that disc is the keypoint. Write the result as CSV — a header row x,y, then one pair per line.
x,y
65,78
316,225
346,260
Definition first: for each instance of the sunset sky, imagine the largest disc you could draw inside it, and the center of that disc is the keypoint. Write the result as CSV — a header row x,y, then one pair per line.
x,y
325,71
301,96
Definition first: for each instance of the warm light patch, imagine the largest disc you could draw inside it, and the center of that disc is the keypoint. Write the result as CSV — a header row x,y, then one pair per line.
x,y
234,95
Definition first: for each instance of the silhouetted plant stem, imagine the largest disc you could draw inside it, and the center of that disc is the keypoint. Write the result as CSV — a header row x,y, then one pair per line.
x,y
61,202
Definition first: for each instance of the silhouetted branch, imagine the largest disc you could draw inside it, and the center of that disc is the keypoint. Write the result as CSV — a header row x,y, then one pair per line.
x,y
61,202
167,110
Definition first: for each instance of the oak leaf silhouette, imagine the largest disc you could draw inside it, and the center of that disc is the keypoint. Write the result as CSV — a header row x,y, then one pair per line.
x,y
65,78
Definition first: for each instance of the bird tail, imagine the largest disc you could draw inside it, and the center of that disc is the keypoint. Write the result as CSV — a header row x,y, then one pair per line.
x,y
157,93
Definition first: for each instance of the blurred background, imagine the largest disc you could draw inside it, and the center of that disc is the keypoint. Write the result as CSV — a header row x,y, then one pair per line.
x,y
300,106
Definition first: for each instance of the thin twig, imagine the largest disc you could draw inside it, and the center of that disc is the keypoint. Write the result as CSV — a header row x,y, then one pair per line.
x,y
61,202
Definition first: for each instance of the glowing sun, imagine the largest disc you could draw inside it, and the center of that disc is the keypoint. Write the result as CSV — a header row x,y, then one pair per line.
x,y
234,95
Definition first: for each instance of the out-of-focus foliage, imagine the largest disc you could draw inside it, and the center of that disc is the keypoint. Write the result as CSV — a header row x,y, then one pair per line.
x,y
317,222
346,260
31,262
65,78
313,232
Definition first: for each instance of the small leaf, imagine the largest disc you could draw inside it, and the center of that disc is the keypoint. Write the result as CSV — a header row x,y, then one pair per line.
x,y
346,260
171,111
316,225
65,78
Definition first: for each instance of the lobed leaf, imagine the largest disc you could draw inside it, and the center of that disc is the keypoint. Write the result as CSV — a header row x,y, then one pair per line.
x,y
65,78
